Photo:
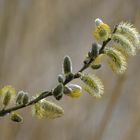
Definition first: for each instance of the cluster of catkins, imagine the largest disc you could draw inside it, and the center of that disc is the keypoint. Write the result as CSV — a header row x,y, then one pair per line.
x,y
116,46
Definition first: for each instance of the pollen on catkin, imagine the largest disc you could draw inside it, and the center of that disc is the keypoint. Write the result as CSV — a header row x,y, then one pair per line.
x,y
47,109
130,32
116,60
93,85
123,44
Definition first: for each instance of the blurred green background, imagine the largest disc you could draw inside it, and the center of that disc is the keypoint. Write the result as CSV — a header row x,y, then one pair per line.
x,y
34,37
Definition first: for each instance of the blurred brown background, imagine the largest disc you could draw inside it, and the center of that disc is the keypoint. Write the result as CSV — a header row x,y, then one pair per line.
x,y
34,37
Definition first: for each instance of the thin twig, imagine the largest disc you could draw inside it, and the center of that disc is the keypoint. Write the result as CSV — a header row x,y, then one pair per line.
x,y
40,97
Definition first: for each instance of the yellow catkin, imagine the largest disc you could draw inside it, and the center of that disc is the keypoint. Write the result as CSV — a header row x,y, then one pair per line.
x,y
130,32
116,60
7,95
102,32
47,109
123,44
8,88
93,85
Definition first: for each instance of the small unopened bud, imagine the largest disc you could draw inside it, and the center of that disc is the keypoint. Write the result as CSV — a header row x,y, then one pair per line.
x,y
67,65
60,78
78,74
95,50
22,98
14,116
25,98
98,21
95,66
67,90
19,97
58,92
69,76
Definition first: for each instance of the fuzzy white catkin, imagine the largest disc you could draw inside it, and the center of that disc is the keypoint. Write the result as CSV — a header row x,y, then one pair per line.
x,y
47,109
93,85
131,32
116,60
123,44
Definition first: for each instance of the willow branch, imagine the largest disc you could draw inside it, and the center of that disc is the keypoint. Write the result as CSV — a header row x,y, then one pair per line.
x,y
49,93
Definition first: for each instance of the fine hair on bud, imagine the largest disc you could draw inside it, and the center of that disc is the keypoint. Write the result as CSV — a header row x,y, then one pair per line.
x,y
14,116
47,109
58,91
116,60
69,76
67,65
93,85
22,98
25,98
60,78
67,90
19,97
123,44
95,50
